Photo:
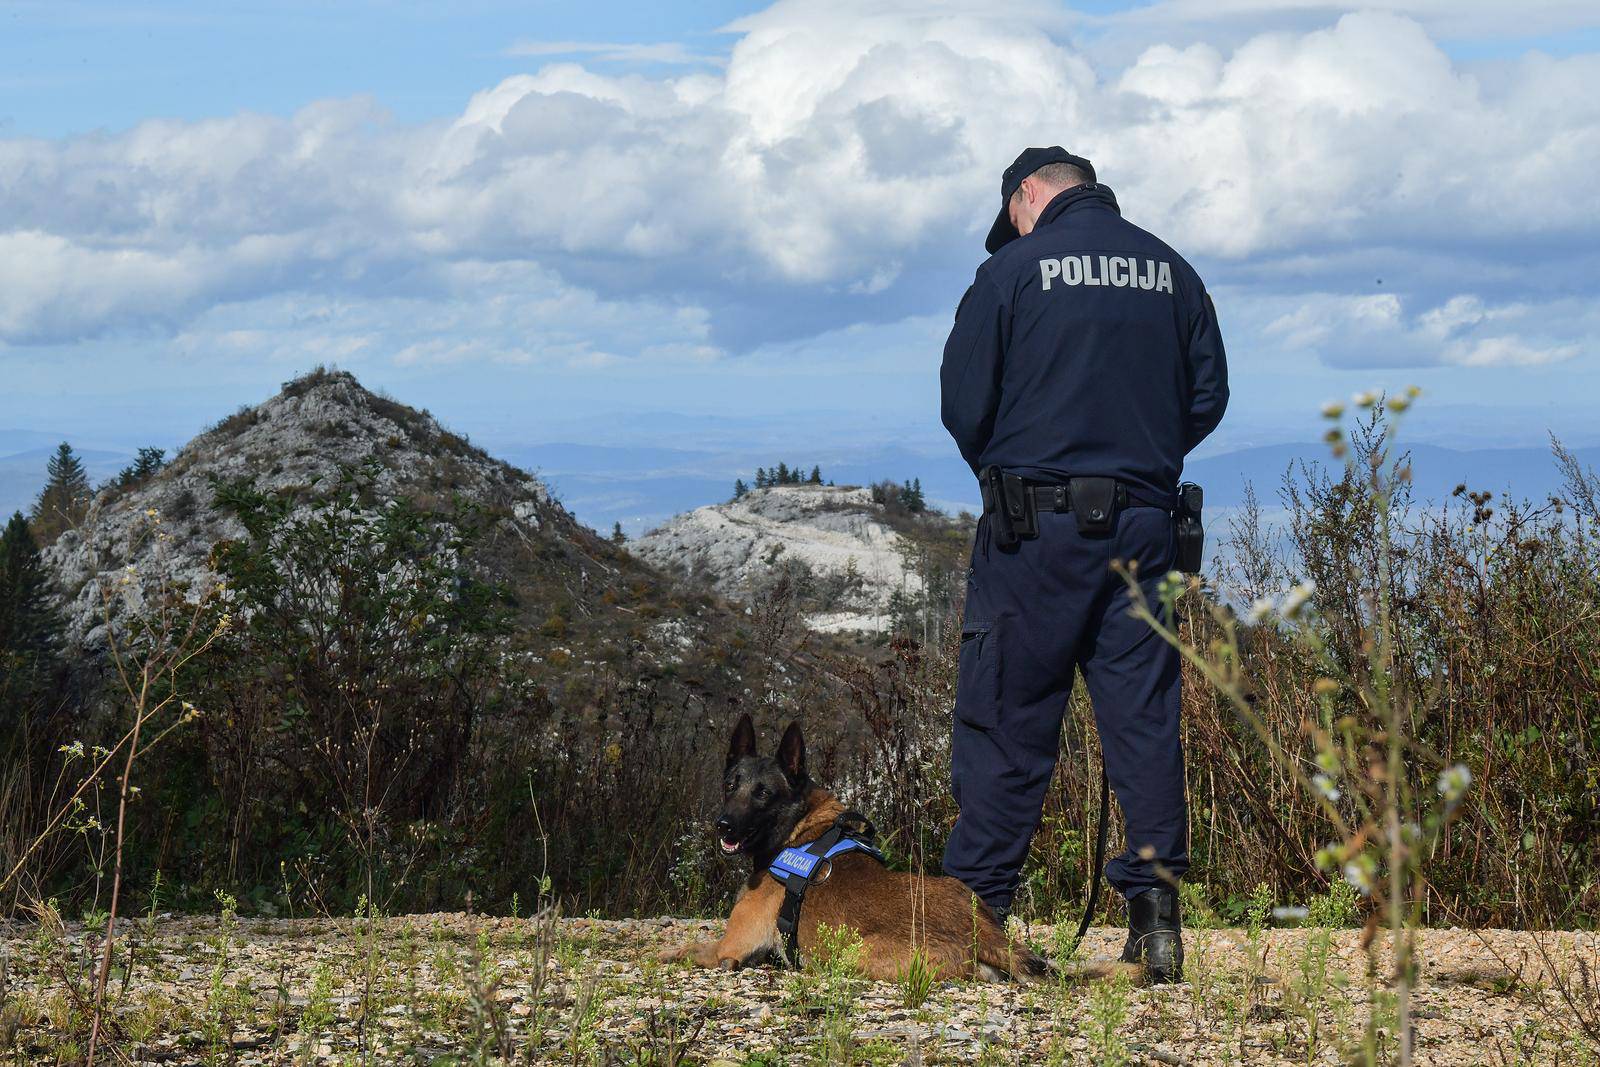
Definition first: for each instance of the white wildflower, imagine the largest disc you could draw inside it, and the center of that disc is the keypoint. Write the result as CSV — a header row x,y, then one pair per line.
x,y
1297,599
1453,783
1357,874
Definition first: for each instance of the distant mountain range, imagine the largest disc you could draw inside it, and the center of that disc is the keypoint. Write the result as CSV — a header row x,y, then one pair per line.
x,y
642,486
1436,471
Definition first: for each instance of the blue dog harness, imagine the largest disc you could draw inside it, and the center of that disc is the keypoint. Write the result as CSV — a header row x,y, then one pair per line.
x,y
796,868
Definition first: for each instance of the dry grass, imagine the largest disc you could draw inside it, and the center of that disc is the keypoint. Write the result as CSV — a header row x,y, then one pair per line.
x,y
463,988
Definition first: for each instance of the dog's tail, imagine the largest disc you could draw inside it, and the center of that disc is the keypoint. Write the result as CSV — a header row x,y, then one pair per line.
x,y
1000,957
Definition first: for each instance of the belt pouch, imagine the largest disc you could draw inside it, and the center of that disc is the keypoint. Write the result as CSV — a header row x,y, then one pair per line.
x,y
1019,505
1094,502
1191,532
992,481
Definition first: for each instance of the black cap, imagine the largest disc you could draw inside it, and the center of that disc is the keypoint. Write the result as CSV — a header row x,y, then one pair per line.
x,y
1031,160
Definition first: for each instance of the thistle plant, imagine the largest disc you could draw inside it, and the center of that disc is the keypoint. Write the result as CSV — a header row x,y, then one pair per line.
x,y
1387,800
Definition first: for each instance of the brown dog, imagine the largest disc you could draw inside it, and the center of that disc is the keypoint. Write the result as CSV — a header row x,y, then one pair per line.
x,y
768,804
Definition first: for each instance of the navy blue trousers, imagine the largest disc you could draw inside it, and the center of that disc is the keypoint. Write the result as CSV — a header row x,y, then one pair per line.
x,y
1034,613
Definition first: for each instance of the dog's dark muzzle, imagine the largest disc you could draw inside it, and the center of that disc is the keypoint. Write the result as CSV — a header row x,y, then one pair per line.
x,y
728,840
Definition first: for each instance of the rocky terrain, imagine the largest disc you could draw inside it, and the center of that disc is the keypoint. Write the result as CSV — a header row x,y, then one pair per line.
x,y
292,443
853,556
161,533
473,989
847,547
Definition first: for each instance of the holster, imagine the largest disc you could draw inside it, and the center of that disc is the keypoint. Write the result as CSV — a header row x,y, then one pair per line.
x,y
1190,530
1008,505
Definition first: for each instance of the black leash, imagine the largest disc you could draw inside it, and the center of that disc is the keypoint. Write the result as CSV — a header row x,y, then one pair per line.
x,y
1099,857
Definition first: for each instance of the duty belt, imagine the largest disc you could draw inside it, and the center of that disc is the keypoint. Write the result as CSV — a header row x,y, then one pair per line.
x,y
1013,503
1059,497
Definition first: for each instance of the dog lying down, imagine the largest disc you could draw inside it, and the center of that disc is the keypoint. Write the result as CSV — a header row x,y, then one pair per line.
x,y
770,804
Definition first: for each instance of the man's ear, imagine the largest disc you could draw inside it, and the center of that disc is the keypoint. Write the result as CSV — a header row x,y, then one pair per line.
x,y
743,742
792,753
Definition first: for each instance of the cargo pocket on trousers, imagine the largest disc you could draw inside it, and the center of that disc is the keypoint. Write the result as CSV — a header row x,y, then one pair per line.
x,y
978,677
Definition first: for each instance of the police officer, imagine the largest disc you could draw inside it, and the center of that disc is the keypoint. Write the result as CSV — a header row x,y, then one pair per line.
x,y
1084,364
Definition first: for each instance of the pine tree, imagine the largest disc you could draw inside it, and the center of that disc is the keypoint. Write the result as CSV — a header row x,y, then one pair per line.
x,y
739,488
816,474
761,478
29,629
911,498
617,536
65,498
783,473
143,468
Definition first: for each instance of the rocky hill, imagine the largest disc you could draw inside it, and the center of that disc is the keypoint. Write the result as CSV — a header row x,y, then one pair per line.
x,y
574,590
854,558
294,442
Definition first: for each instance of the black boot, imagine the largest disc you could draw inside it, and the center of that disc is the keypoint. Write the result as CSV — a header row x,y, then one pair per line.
x,y
1155,935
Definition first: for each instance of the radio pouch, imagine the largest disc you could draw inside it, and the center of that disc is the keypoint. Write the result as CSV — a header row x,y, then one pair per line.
x,y
1191,532
1094,502
991,481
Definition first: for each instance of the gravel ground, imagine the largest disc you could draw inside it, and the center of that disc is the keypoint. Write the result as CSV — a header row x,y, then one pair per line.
x,y
463,988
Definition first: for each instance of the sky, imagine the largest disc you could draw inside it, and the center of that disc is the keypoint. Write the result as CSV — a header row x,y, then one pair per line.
x,y
639,223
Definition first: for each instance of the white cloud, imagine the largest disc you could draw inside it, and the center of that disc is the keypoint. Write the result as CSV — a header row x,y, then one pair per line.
x,y
666,52
844,156
1378,330
466,312
53,287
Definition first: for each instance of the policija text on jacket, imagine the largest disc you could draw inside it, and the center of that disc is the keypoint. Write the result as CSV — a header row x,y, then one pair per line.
x,y
1088,347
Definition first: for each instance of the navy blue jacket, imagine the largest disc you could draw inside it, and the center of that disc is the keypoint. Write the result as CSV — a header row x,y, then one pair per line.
x,y
1087,347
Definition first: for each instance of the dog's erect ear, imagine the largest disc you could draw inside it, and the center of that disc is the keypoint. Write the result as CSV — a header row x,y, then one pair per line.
x,y
743,742
792,753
